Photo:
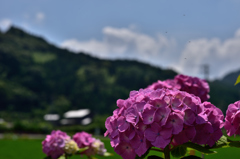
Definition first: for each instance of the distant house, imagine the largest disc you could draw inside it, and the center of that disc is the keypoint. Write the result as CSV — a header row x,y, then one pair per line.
x,y
72,117
76,117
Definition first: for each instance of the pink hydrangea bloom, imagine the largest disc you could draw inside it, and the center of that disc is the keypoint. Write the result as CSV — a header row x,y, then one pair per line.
x,y
169,84
232,119
125,150
53,145
161,117
158,136
95,146
83,139
187,134
140,144
192,85
98,147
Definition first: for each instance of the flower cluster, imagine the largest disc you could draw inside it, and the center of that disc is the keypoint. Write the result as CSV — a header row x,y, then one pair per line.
x,y
161,117
71,147
95,146
168,84
192,85
59,143
54,144
232,119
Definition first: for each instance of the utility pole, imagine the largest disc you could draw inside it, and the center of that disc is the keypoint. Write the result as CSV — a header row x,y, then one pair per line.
x,y
206,71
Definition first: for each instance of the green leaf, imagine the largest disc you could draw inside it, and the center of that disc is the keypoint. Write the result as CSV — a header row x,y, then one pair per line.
x,y
191,157
107,154
238,80
234,144
154,157
221,143
62,157
47,157
82,149
179,151
198,148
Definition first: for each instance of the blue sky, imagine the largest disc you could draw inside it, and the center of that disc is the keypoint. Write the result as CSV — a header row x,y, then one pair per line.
x,y
181,34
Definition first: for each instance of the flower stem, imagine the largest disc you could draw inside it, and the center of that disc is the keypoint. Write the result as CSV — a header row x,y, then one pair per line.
x,y
166,152
154,149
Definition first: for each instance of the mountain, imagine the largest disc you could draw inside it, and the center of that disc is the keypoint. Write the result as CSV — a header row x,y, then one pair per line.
x,y
231,77
223,92
37,78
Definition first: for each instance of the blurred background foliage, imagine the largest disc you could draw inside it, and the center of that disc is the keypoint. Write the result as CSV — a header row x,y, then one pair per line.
x,y
37,78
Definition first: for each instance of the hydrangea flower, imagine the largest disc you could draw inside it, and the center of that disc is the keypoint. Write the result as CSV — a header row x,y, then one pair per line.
x,y
169,84
98,147
71,147
161,117
192,85
54,144
232,119
83,139
95,146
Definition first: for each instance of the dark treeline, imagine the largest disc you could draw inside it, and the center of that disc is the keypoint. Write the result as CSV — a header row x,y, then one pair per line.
x,y
37,78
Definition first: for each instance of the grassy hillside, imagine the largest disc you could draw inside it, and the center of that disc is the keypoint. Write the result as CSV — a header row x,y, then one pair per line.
x,y
37,77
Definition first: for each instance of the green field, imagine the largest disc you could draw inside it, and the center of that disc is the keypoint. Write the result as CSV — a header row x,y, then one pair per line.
x,y
32,149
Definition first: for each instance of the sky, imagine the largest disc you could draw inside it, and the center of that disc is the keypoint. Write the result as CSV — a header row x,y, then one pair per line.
x,y
183,35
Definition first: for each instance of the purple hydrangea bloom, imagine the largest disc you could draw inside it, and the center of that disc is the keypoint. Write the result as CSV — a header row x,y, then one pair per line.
x,y
193,85
99,147
175,121
132,115
95,146
83,139
161,117
203,133
158,136
169,84
148,114
232,119
187,134
125,150
53,145
140,144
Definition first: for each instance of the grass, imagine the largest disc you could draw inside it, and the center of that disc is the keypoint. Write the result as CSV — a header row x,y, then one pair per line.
x,y
21,149
32,149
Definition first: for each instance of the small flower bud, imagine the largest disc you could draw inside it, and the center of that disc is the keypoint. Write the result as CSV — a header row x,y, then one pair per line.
x,y
71,147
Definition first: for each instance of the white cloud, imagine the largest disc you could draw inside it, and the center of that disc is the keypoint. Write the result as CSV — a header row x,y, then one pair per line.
x,y
221,56
5,24
39,17
126,43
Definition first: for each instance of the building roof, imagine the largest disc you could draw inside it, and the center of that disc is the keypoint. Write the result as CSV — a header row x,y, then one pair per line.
x,y
77,113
